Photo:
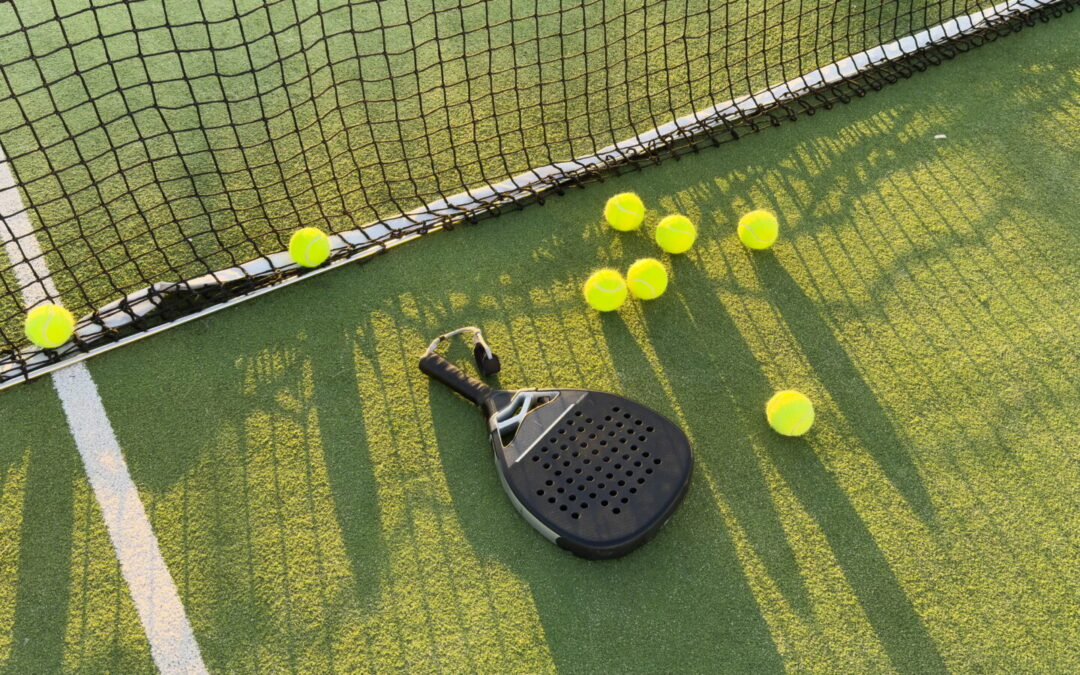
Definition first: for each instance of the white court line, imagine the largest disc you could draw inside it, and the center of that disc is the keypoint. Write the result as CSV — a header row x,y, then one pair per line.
x,y
172,642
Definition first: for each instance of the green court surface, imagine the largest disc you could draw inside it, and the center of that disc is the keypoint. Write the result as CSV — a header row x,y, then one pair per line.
x,y
322,506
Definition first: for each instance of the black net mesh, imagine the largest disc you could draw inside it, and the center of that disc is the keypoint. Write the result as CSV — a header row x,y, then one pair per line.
x,y
160,152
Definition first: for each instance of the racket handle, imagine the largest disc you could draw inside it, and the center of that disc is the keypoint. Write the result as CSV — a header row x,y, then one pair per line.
x,y
437,367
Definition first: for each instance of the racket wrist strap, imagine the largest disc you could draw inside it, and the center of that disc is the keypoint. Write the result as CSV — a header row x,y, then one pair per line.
x,y
487,362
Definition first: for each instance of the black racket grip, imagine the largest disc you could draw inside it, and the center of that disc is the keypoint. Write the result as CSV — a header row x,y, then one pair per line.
x,y
436,367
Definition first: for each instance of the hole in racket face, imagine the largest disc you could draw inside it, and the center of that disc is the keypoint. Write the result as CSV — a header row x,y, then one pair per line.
x,y
608,450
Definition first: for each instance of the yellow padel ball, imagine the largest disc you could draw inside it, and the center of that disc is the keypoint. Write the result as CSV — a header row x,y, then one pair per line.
x,y
758,229
790,413
605,290
647,279
624,211
49,326
676,234
309,247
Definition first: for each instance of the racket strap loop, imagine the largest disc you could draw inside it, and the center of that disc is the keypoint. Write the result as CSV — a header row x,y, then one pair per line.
x,y
487,362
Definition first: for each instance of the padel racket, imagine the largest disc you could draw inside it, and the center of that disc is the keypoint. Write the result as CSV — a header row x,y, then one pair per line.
x,y
595,473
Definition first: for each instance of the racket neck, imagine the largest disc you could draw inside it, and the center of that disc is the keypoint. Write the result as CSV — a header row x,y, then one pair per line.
x,y
496,401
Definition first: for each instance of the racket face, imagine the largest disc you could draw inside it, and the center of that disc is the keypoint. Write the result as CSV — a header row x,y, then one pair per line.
x,y
596,473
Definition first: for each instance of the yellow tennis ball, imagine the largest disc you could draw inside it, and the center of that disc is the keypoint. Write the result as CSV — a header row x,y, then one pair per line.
x,y
675,234
624,211
790,412
758,229
647,279
605,290
309,247
49,326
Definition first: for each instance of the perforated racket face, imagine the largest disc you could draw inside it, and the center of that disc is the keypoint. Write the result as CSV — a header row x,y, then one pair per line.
x,y
596,473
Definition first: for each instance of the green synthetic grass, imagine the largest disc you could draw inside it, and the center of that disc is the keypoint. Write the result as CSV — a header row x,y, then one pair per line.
x,y
63,603
321,505
164,139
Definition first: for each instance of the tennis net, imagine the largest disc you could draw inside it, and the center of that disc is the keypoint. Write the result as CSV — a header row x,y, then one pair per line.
x,y
156,155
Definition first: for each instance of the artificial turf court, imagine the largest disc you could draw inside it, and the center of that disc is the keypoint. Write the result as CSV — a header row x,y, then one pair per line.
x,y
321,506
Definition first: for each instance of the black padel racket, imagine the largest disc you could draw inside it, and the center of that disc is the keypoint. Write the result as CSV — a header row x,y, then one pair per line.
x,y
595,473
